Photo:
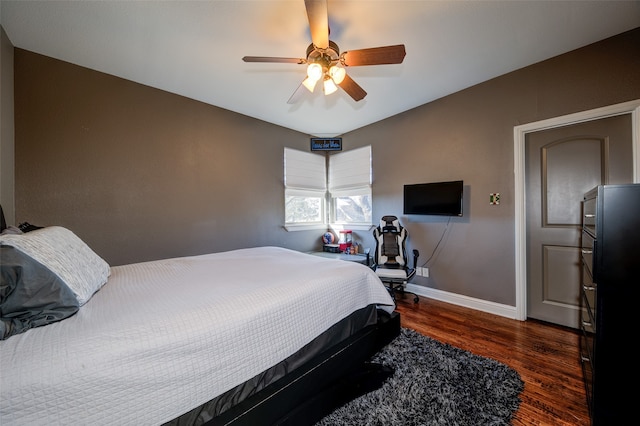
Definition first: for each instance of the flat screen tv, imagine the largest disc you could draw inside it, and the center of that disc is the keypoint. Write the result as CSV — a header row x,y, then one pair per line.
x,y
436,198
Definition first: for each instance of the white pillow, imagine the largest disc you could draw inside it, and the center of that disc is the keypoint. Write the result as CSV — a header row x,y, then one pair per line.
x,y
66,255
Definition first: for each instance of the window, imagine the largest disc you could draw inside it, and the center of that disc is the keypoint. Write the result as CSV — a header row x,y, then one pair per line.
x,y
350,188
346,189
304,206
305,183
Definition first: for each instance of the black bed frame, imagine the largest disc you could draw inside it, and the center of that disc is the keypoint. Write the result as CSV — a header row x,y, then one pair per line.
x,y
322,385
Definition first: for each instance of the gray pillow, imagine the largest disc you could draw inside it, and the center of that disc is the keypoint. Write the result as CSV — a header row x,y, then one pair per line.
x,y
30,294
14,230
66,255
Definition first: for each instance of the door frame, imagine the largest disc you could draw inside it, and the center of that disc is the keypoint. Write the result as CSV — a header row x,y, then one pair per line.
x,y
519,135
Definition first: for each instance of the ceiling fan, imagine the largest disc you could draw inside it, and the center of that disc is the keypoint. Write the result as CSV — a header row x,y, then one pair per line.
x,y
325,62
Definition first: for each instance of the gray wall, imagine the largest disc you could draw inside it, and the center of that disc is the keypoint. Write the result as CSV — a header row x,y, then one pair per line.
x,y
142,174
469,136
7,160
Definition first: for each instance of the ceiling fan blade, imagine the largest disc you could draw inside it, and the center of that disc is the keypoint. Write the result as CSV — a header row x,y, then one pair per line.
x,y
352,88
318,15
375,56
273,59
295,97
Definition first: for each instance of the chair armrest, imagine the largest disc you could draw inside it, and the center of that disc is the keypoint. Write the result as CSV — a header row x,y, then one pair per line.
x,y
411,272
370,262
416,254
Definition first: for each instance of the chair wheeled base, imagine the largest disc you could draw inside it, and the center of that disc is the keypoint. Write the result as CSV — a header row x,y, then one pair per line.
x,y
399,288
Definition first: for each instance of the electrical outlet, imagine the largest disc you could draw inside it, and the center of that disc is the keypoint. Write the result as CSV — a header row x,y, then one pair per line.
x,y
419,271
425,272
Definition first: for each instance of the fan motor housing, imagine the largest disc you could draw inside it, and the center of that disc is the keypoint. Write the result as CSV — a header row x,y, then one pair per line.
x,y
324,57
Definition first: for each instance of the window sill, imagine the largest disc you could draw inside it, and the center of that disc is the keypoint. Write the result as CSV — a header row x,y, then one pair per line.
x,y
305,227
352,227
336,228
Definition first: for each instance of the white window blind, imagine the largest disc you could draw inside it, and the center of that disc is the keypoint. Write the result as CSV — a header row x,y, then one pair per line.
x,y
303,170
350,169
351,192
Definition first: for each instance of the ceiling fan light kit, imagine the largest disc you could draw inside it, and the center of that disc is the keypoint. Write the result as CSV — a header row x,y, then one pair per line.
x,y
309,83
329,86
337,73
325,62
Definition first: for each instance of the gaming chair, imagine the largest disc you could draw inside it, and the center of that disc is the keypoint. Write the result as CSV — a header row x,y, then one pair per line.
x,y
390,258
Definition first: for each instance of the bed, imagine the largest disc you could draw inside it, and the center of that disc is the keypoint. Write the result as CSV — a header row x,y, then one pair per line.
x,y
262,335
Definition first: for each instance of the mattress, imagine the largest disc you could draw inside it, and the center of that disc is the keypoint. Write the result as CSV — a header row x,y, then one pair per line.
x,y
163,337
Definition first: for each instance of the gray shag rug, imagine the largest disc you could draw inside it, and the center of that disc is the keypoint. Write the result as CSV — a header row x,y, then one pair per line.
x,y
434,384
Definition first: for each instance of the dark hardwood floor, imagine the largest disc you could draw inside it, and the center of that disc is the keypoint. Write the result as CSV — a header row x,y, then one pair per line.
x,y
546,356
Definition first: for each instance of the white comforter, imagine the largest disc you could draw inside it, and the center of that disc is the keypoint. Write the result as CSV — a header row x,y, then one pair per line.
x,y
163,337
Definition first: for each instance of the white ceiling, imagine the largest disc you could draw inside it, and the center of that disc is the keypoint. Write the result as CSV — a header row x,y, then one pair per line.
x,y
194,48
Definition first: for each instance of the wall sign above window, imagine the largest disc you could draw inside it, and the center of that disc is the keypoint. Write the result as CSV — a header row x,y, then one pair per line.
x,y
326,144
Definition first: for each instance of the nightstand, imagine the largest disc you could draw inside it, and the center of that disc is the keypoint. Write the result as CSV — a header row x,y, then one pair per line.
x,y
360,257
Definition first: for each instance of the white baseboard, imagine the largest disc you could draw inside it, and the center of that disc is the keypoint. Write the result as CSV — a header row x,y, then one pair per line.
x,y
465,301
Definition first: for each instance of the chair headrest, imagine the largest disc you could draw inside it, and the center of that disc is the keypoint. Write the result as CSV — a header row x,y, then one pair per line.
x,y
390,223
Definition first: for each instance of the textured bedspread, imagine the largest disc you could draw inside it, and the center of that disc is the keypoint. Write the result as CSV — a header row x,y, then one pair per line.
x,y
163,337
